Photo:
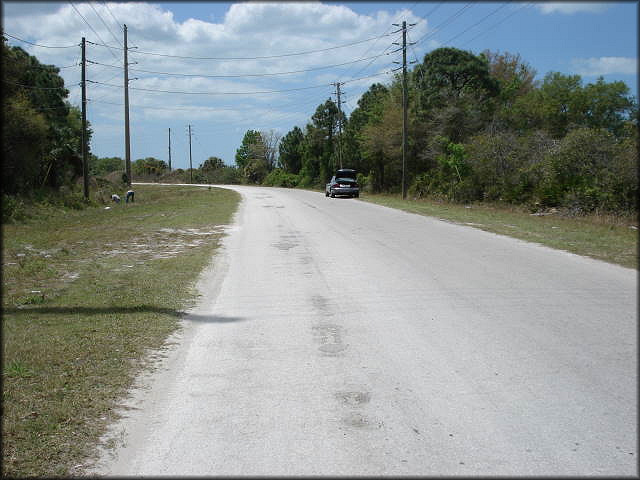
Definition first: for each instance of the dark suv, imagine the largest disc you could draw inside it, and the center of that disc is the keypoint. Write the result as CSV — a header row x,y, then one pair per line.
x,y
343,183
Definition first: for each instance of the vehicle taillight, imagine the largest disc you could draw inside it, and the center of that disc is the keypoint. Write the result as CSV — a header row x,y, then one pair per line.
x,y
335,185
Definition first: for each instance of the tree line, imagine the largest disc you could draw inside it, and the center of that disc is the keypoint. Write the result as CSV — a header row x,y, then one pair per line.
x,y
41,134
480,128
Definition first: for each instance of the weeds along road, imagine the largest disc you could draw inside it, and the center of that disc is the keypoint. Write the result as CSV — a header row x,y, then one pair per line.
x,y
338,337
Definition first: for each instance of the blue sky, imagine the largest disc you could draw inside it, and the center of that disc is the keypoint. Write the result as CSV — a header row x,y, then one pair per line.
x,y
589,39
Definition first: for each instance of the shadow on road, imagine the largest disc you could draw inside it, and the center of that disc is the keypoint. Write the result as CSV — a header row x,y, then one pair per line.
x,y
88,311
212,318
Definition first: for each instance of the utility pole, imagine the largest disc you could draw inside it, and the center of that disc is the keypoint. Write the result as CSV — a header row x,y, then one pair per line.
x,y
404,104
169,148
85,164
190,165
337,84
127,144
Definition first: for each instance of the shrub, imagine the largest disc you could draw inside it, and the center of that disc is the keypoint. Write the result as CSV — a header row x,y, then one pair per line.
x,y
280,178
13,209
364,182
420,186
589,170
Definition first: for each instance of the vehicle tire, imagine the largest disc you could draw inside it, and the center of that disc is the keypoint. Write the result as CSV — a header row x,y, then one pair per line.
x,y
326,194
333,195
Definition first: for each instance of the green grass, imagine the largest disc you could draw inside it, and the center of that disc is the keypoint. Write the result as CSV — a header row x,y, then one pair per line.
x,y
604,237
86,294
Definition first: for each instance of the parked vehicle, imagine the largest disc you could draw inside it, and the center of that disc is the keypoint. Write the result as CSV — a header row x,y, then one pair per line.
x,y
343,183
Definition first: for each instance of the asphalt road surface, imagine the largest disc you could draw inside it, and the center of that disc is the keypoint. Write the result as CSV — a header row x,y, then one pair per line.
x,y
338,337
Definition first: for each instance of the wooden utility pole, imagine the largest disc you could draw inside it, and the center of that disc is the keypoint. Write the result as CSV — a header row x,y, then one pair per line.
x,y
337,84
190,165
85,163
169,148
404,105
127,144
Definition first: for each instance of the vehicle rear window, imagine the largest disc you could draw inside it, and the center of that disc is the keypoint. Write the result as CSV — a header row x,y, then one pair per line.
x,y
345,179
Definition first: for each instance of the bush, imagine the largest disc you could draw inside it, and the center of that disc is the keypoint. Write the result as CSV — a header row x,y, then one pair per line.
x,y
420,186
13,209
590,170
280,178
224,175
364,182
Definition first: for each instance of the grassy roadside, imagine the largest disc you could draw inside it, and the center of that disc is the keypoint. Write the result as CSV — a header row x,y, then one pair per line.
x,y
607,238
86,293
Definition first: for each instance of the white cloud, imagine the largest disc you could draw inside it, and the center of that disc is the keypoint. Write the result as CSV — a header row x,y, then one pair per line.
x,y
571,8
605,66
247,29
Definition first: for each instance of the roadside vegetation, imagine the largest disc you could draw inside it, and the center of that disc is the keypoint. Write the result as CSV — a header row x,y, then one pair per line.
x,y
607,237
553,161
481,129
87,293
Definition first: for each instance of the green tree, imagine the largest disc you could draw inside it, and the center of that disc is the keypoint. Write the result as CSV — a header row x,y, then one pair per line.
x,y
253,157
319,153
149,166
382,145
369,111
607,105
24,137
291,151
560,103
41,139
514,76
103,166
248,150
449,72
577,174
456,93
211,164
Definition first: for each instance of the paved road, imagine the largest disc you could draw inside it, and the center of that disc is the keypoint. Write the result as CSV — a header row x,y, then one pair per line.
x,y
337,337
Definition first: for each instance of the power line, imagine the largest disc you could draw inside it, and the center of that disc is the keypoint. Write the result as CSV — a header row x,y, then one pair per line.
x,y
103,44
245,74
368,76
477,23
198,108
110,78
235,93
444,24
113,16
422,19
295,104
105,24
526,5
386,31
103,67
430,12
211,93
39,45
92,29
383,53
278,116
